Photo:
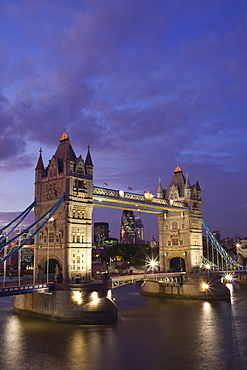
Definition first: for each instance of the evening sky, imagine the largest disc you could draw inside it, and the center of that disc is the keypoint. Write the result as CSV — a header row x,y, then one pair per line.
x,y
148,84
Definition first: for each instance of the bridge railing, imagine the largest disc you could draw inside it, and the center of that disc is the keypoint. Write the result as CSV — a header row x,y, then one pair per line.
x,y
119,194
172,279
25,289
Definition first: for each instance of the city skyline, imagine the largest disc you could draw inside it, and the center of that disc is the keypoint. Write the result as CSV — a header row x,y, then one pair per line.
x,y
149,85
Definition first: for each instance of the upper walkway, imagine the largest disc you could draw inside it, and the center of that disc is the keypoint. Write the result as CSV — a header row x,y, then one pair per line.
x,y
119,199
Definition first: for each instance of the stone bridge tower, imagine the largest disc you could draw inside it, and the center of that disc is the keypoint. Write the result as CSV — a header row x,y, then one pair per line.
x,y
63,246
180,233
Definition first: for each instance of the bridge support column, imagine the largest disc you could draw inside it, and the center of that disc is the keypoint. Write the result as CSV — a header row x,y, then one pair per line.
x,y
79,304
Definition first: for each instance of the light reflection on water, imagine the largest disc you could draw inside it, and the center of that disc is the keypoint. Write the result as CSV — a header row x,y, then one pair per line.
x,y
152,334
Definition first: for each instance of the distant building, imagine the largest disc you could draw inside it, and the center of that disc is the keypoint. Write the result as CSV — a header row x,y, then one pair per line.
x,y
109,242
127,228
27,256
11,265
153,243
216,234
101,233
131,229
139,230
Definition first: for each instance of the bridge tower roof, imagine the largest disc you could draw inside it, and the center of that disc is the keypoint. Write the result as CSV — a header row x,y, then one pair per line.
x,y
65,150
40,163
88,161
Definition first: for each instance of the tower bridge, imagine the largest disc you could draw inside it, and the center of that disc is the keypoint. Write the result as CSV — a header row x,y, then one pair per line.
x,y
64,199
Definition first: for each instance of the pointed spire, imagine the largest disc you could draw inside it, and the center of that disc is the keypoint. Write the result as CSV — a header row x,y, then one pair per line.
x,y
88,161
198,188
160,190
40,164
187,182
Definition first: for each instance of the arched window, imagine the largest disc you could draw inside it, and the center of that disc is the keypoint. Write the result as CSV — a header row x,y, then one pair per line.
x,y
174,225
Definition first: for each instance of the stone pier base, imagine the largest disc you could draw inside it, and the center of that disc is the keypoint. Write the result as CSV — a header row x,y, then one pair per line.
x,y
75,303
206,286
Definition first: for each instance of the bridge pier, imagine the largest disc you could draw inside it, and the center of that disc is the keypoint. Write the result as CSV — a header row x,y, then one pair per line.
x,y
74,303
207,286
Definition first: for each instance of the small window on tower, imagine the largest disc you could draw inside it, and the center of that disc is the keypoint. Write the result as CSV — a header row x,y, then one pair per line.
x,y
80,170
174,226
80,184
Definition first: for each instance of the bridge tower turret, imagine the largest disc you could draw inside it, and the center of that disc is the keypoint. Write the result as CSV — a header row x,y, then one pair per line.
x,y
66,240
180,233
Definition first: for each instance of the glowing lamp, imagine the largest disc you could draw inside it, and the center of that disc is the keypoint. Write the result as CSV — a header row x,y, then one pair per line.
x,y
148,196
95,295
77,297
228,277
153,263
205,286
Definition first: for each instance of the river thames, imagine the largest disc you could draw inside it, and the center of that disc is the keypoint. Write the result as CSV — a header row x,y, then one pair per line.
x,y
152,334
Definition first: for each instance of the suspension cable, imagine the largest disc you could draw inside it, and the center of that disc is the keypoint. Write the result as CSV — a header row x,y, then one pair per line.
x,y
46,218
21,217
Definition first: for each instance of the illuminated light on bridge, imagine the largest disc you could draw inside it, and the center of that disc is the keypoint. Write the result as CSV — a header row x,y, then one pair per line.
x,y
148,196
77,297
227,278
205,286
152,264
94,295
109,294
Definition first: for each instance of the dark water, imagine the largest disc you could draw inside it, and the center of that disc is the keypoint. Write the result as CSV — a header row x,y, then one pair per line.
x,y
152,334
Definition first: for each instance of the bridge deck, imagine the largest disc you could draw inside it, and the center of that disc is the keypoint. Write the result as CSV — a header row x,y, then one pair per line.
x,y
25,289
134,202
169,278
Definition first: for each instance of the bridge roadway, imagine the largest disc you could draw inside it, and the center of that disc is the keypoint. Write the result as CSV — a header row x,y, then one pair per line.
x,y
171,279
25,289
167,278
119,199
